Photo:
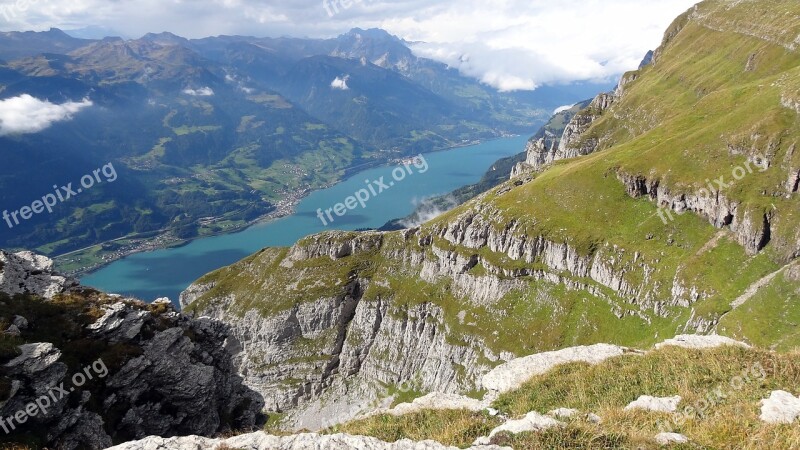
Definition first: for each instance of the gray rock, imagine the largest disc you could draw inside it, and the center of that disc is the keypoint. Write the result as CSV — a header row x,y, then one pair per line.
x,y
20,322
29,273
655,404
121,322
670,438
263,441
182,382
780,407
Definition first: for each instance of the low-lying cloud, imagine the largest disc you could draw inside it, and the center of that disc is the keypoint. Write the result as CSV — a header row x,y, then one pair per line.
x,y
26,114
340,83
202,92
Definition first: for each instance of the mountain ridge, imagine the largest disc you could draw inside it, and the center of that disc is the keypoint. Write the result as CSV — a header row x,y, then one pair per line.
x,y
570,252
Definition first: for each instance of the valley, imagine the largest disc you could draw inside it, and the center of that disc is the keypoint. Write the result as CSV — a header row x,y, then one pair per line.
x,y
364,248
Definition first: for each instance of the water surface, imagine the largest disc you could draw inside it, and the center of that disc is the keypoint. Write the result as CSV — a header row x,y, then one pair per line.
x,y
165,273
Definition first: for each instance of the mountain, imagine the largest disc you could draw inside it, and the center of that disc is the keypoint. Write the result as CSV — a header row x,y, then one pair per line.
x,y
211,134
16,44
634,285
121,365
667,206
499,173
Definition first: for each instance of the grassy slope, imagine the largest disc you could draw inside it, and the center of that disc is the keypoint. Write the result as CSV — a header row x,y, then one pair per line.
x,y
696,114
725,385
677,122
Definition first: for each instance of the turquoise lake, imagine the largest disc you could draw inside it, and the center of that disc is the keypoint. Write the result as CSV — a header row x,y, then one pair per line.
x,y
165,273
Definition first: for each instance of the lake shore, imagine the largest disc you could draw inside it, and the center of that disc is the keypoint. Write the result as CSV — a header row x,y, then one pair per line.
x,y
285,207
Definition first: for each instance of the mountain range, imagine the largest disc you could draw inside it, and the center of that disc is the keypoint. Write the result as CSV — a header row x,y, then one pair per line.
x,y
632,282
208,135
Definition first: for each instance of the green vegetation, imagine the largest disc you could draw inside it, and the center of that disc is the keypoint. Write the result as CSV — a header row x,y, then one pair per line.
x,y
575,257
742,376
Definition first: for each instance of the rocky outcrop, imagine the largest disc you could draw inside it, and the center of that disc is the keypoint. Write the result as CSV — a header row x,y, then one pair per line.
x,y
330,360
572,142
118,369
603,266
513,374
263,441
696,342
533,421
434,401
780,407
539,153
656,404
29,273
670,439
575,141
752,229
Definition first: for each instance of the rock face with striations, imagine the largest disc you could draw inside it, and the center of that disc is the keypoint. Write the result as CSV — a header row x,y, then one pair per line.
x,y
153,371
572,142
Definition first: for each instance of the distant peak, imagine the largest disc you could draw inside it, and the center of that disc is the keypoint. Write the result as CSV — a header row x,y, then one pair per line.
x,y
165,37
374,33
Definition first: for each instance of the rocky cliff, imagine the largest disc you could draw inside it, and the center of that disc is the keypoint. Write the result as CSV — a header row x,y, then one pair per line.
x,y
542,148
82,369
595,247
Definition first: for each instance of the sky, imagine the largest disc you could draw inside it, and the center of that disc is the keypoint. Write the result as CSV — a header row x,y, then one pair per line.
x,y
508,44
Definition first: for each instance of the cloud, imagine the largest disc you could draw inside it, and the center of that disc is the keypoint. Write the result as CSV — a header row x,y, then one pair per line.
x,y
26,114
340,83
562,108
509,44
202,92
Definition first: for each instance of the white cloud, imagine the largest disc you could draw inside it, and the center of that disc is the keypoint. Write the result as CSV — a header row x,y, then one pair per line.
x,y
202,92
510,44
562,108
26,114
340,83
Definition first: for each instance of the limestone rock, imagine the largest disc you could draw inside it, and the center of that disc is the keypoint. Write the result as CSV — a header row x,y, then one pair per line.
x,y
655,404
572,142
29,273
563,413
593,418
780,407
532,421
513,374
178,379
263,441
671,438
696,341
438,400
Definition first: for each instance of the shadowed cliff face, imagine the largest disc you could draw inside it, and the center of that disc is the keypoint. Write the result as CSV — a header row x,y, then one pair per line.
x,y
82,369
